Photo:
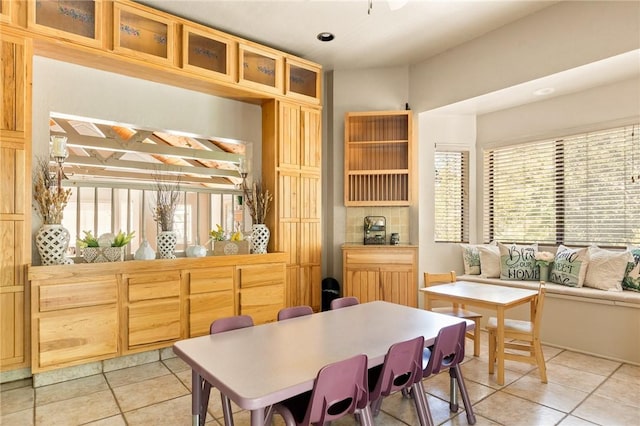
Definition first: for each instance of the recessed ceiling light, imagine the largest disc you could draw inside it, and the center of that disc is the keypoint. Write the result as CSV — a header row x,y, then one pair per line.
x,y
544,91
325,36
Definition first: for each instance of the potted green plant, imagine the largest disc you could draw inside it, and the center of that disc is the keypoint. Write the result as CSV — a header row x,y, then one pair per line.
x,y
106,248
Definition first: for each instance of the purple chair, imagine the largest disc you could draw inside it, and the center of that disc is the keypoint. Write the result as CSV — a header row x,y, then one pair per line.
x,y
294,311
339,389
343,302
401,370
448,352
220,326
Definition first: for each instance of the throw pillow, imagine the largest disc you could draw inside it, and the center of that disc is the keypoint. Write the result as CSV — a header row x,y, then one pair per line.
x,y
631,279
570,266
518,262
606,268
489,261
471,259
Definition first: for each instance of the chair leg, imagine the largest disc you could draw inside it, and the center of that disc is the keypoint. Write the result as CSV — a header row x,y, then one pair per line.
x,y
537,347
457,373
422,405
492,350
204,402
453,392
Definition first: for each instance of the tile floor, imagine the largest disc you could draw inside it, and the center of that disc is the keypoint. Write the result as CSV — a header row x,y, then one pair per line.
x,y
582,390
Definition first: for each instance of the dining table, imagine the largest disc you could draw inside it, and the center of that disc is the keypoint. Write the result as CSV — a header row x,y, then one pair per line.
x,y
256,367
494,297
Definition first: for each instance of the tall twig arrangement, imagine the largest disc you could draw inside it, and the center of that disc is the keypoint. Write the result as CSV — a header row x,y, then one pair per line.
x,y
167,198
49,197
258,201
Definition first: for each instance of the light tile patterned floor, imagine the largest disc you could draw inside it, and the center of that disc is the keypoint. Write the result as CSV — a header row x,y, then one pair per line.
x,y
582,390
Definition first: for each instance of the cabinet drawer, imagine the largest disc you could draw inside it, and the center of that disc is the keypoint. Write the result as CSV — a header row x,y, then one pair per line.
x,y
262,303
213,279
153,286
153,322
262,275
85,333
98,291
380,257
205,308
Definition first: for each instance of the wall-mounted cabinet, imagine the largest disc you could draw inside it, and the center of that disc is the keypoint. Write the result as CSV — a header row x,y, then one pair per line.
x,y
209,53
260,68
378,149
302,80
142,34
79,21
5,10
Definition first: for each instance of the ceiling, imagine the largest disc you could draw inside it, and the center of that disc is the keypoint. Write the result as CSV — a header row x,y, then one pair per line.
x,y
372,35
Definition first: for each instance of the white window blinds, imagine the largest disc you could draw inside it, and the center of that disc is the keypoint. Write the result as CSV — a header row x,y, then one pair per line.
x,y
451,196
577,190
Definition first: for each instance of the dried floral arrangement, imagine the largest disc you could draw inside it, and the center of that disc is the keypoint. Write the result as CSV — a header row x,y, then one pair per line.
x,y
49,197
258,201
167,198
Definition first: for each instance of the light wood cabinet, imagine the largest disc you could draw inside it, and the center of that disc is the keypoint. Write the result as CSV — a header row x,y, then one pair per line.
x,y
5,10
152,308
377,158
260,68
79,21
291,161
302,80
211,296
15,198
75,321
381,273
209,53
90,312
142,33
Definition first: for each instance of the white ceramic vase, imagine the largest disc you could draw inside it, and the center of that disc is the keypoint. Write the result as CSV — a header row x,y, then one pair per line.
x,y
52,242
260,238
145,252
167,244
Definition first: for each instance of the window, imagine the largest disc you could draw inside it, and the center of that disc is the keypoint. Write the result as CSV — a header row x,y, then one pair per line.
x,y
451,196
577,190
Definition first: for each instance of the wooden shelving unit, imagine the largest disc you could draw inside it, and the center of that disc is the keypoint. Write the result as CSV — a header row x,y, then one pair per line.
x,y
377,158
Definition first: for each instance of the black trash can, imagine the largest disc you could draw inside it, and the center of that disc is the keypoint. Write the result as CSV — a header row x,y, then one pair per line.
x,y
330,291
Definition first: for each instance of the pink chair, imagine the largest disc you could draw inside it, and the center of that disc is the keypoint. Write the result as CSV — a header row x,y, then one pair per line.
x,y
220,326
343,302
339,389
448,352
294,311
401,371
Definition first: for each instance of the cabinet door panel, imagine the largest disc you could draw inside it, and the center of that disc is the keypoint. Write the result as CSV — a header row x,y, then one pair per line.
x,y
205,308
311,140
79,334
288,207
153,322
12,326
262,303
289,136
288,241
97,291
311,286
363,284
261,275
211,279
13,73
153,286
310,196
397,286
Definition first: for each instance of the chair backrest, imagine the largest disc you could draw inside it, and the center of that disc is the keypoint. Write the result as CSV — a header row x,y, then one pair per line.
x,y
294,311
339,389
447,351
230,323
440,278
343,302
401,369
537,316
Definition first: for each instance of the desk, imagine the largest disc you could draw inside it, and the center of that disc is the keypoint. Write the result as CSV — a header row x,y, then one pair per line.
x,y
259,366
488,296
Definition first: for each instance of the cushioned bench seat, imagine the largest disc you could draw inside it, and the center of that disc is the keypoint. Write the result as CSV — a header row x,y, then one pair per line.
x,y
597,322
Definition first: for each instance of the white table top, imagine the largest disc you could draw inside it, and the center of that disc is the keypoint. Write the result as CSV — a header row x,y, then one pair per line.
x,y
471,291
261,365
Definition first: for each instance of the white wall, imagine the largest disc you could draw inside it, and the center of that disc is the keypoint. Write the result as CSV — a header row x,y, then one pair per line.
x,y
379,89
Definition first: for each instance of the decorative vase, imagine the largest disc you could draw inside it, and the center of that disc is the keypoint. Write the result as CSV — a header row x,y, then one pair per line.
x,y
144,252
196,250
260,238
52,242
544,273
103,254
167,244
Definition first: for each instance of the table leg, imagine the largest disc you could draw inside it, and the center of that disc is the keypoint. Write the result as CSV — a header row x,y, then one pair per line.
x,y
196,395
500,348
257,417
427,301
